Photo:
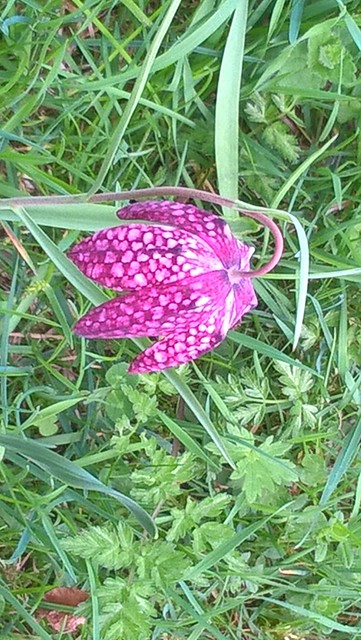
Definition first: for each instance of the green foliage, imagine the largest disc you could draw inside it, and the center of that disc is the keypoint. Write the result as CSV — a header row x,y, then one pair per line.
x,y
294,385
128,397
274,112
110,547
133,396
246,396
329,58
163,476
125,611
153,562
278,137
260,470
210,535
313,471
186,519
253,467
128,605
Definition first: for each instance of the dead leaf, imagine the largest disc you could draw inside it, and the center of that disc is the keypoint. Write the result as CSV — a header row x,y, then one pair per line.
x,y
69,596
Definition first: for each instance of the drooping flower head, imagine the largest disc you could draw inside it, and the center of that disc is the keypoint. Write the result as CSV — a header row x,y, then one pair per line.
x,y
183,278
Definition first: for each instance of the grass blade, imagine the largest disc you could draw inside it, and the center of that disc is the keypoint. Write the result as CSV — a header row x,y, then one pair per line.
x,y
267,350
313,616
14,602
342,463
227,105
135,96
226,547
187,440
295,20
71,474
196,408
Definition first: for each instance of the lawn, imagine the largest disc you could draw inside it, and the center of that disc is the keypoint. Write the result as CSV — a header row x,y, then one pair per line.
x,y
218,500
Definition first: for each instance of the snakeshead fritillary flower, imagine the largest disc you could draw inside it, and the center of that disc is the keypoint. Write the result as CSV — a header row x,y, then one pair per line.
x,y
182,279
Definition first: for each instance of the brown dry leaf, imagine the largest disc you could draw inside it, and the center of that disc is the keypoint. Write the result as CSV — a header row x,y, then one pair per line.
x,y
70,596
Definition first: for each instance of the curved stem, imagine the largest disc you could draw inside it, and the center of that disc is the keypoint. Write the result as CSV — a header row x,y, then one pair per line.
x,y
181,192
278,240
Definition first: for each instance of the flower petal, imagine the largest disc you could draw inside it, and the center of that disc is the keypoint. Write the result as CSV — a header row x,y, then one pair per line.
x,y
211,228
183,346
138,255
245,299
158,310
173,351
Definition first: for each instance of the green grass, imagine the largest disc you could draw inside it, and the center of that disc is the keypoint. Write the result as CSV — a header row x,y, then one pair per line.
x,y
221,500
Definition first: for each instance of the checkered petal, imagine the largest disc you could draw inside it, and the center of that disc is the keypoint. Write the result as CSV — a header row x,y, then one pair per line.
x,y
191,341
158,310
181,347
139,255
245,300
214,231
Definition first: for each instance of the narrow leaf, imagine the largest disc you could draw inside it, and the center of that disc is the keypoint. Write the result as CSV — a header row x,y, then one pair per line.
x,y
342,463
69,473
190,444
227,105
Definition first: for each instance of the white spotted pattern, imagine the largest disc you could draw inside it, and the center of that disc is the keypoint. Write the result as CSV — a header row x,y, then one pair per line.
x,y
158,255
180,279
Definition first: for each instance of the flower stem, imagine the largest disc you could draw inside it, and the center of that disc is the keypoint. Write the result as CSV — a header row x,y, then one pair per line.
x,y
180,192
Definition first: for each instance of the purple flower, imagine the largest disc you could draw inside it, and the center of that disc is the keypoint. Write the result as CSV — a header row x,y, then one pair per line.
x,y
182,277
